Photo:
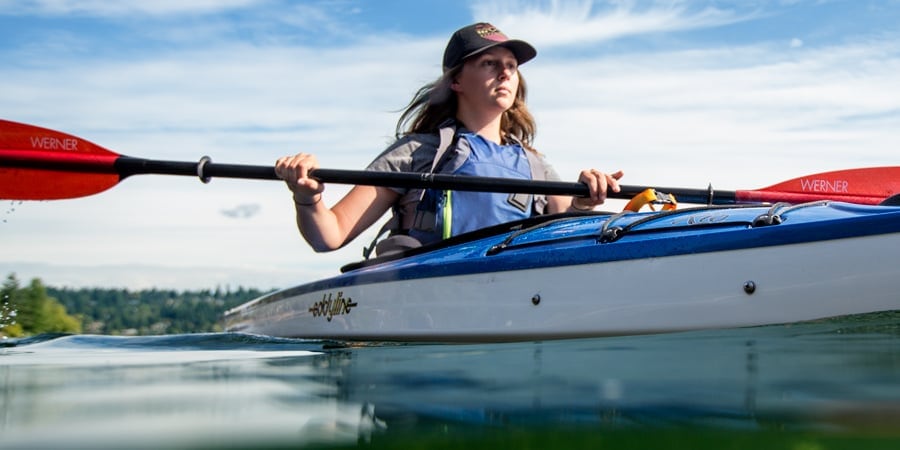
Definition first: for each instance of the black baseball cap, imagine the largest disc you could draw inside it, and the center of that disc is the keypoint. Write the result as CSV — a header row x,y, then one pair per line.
x,y
474,39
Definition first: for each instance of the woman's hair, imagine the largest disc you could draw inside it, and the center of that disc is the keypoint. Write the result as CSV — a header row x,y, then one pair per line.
x,y
435,102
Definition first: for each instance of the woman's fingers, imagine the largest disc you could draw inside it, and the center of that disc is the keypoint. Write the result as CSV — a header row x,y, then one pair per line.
x,y
295,170
600,183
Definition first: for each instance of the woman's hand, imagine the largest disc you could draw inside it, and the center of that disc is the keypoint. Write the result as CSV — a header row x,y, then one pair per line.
x,y
599,184
294,170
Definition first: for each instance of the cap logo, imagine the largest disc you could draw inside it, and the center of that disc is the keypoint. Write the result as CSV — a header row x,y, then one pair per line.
x,y
490,32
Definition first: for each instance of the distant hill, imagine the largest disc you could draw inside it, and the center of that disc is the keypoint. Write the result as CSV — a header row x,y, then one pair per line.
x,y
116,311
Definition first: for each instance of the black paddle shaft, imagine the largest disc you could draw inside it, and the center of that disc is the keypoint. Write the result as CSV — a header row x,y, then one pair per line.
x,y
205,170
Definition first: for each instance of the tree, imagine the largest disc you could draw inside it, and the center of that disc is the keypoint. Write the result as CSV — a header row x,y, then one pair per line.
x,y
31,311
9,326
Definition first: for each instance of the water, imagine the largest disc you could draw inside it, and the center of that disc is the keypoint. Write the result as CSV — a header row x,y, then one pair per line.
x,y
820,385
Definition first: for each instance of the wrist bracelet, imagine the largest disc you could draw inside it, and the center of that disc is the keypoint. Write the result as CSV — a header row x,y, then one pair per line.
x,y
313,203
576,208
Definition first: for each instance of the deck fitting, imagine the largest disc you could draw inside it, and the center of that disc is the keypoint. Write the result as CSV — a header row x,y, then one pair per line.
x,y
749,287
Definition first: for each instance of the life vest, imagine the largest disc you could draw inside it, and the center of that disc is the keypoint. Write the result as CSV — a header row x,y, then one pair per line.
x,y
469,211
445,213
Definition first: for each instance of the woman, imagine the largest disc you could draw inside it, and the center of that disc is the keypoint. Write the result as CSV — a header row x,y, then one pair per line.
x,y
472,121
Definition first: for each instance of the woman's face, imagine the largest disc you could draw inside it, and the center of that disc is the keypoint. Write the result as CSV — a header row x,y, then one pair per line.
x,y
489,80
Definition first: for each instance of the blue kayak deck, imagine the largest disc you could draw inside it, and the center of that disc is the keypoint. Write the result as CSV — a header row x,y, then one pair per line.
x,y
605,237
574,239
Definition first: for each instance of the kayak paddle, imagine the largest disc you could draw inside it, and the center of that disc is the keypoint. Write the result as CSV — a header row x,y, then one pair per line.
x,y
41,164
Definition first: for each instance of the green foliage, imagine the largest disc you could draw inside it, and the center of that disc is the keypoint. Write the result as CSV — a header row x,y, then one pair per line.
x,y
30,310
38,309
151,311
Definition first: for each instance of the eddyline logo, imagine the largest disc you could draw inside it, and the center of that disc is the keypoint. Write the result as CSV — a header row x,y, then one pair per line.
x,y
332,305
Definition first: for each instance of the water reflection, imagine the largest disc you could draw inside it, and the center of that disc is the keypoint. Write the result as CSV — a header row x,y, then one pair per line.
x,y
830,375
226,390
59,395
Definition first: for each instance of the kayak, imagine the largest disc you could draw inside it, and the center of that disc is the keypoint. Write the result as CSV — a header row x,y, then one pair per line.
x,y
603,274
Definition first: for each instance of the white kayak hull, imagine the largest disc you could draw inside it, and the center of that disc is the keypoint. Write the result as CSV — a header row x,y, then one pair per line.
x,y
738,287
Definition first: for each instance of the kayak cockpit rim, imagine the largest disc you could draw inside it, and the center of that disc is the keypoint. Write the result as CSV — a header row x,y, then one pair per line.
x,y
471,236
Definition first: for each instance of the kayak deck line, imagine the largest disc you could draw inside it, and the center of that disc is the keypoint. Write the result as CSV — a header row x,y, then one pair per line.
x,y
609,233
524,226
774,215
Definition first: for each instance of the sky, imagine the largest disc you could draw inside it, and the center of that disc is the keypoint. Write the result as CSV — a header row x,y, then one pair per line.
x,y
737,94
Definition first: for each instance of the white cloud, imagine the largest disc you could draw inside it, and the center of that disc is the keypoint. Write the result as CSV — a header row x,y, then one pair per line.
x,y
566,23
105,8
705,111
242,211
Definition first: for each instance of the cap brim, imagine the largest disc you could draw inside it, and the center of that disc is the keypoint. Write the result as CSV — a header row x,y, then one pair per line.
x,y
523,51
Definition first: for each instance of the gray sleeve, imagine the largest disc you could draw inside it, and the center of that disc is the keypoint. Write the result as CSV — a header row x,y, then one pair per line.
x,y
413,153
549,172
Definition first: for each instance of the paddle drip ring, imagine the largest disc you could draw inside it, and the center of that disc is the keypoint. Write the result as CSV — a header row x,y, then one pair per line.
x,y
200,166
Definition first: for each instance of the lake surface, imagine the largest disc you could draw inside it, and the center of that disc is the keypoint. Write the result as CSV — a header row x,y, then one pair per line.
x,y
820,385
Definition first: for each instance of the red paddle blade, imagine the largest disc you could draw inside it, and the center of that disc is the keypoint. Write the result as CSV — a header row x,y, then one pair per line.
x,y
867,186
41,164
